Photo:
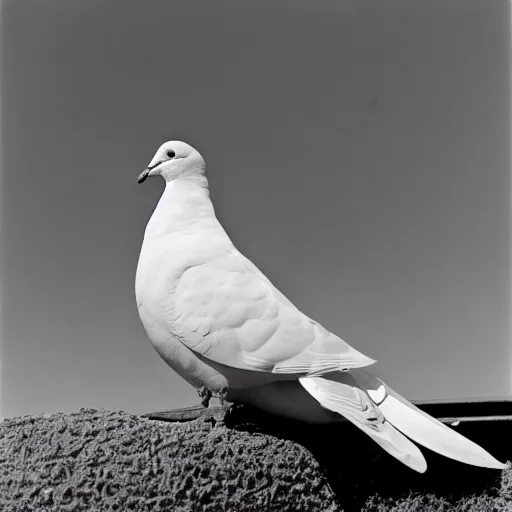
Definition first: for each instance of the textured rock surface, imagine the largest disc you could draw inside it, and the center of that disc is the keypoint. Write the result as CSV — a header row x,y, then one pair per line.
x,y
105,461
99,460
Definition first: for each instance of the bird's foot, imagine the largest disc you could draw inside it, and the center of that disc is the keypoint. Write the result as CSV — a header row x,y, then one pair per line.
x,y
216,404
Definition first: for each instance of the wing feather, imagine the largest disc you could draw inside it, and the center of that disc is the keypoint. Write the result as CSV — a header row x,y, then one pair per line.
x,y
226,310
347,399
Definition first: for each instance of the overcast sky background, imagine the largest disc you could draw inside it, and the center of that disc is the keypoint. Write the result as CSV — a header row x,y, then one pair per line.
x,y
358,152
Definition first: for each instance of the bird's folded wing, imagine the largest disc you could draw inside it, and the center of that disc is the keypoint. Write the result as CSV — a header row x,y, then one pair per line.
x,y
227,311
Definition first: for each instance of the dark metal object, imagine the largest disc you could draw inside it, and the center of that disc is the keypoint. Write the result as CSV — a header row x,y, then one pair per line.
x,y
180,415
469,410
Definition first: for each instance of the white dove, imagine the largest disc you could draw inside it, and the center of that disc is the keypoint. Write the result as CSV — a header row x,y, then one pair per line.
x,y
219,322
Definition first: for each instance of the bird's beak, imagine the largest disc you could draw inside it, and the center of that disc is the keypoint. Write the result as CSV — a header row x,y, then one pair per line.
x,y
145,173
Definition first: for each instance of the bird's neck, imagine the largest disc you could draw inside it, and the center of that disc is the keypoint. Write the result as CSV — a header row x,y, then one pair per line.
x,y
184,205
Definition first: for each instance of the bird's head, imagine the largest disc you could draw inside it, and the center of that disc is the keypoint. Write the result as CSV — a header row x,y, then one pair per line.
x,y
175,159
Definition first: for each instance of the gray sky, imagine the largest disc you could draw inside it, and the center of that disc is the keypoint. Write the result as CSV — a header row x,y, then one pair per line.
x,y
358,152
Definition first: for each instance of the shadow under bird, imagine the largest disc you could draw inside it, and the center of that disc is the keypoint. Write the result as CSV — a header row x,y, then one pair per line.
x,y
219,322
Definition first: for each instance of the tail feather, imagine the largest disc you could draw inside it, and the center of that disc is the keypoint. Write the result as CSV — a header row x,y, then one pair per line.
x,y
385,416
423,428
355,405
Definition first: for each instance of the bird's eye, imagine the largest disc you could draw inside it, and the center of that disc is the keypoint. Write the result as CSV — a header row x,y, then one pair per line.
x,y
171,153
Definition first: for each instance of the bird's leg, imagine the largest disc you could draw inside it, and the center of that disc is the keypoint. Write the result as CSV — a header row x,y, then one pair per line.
x,y
218,398
216,404
205,395
221,407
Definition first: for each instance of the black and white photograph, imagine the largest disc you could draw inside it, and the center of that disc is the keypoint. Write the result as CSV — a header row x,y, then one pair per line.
x,y
255,256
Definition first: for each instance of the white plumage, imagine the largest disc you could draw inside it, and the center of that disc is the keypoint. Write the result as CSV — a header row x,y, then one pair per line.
x,y
217,320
